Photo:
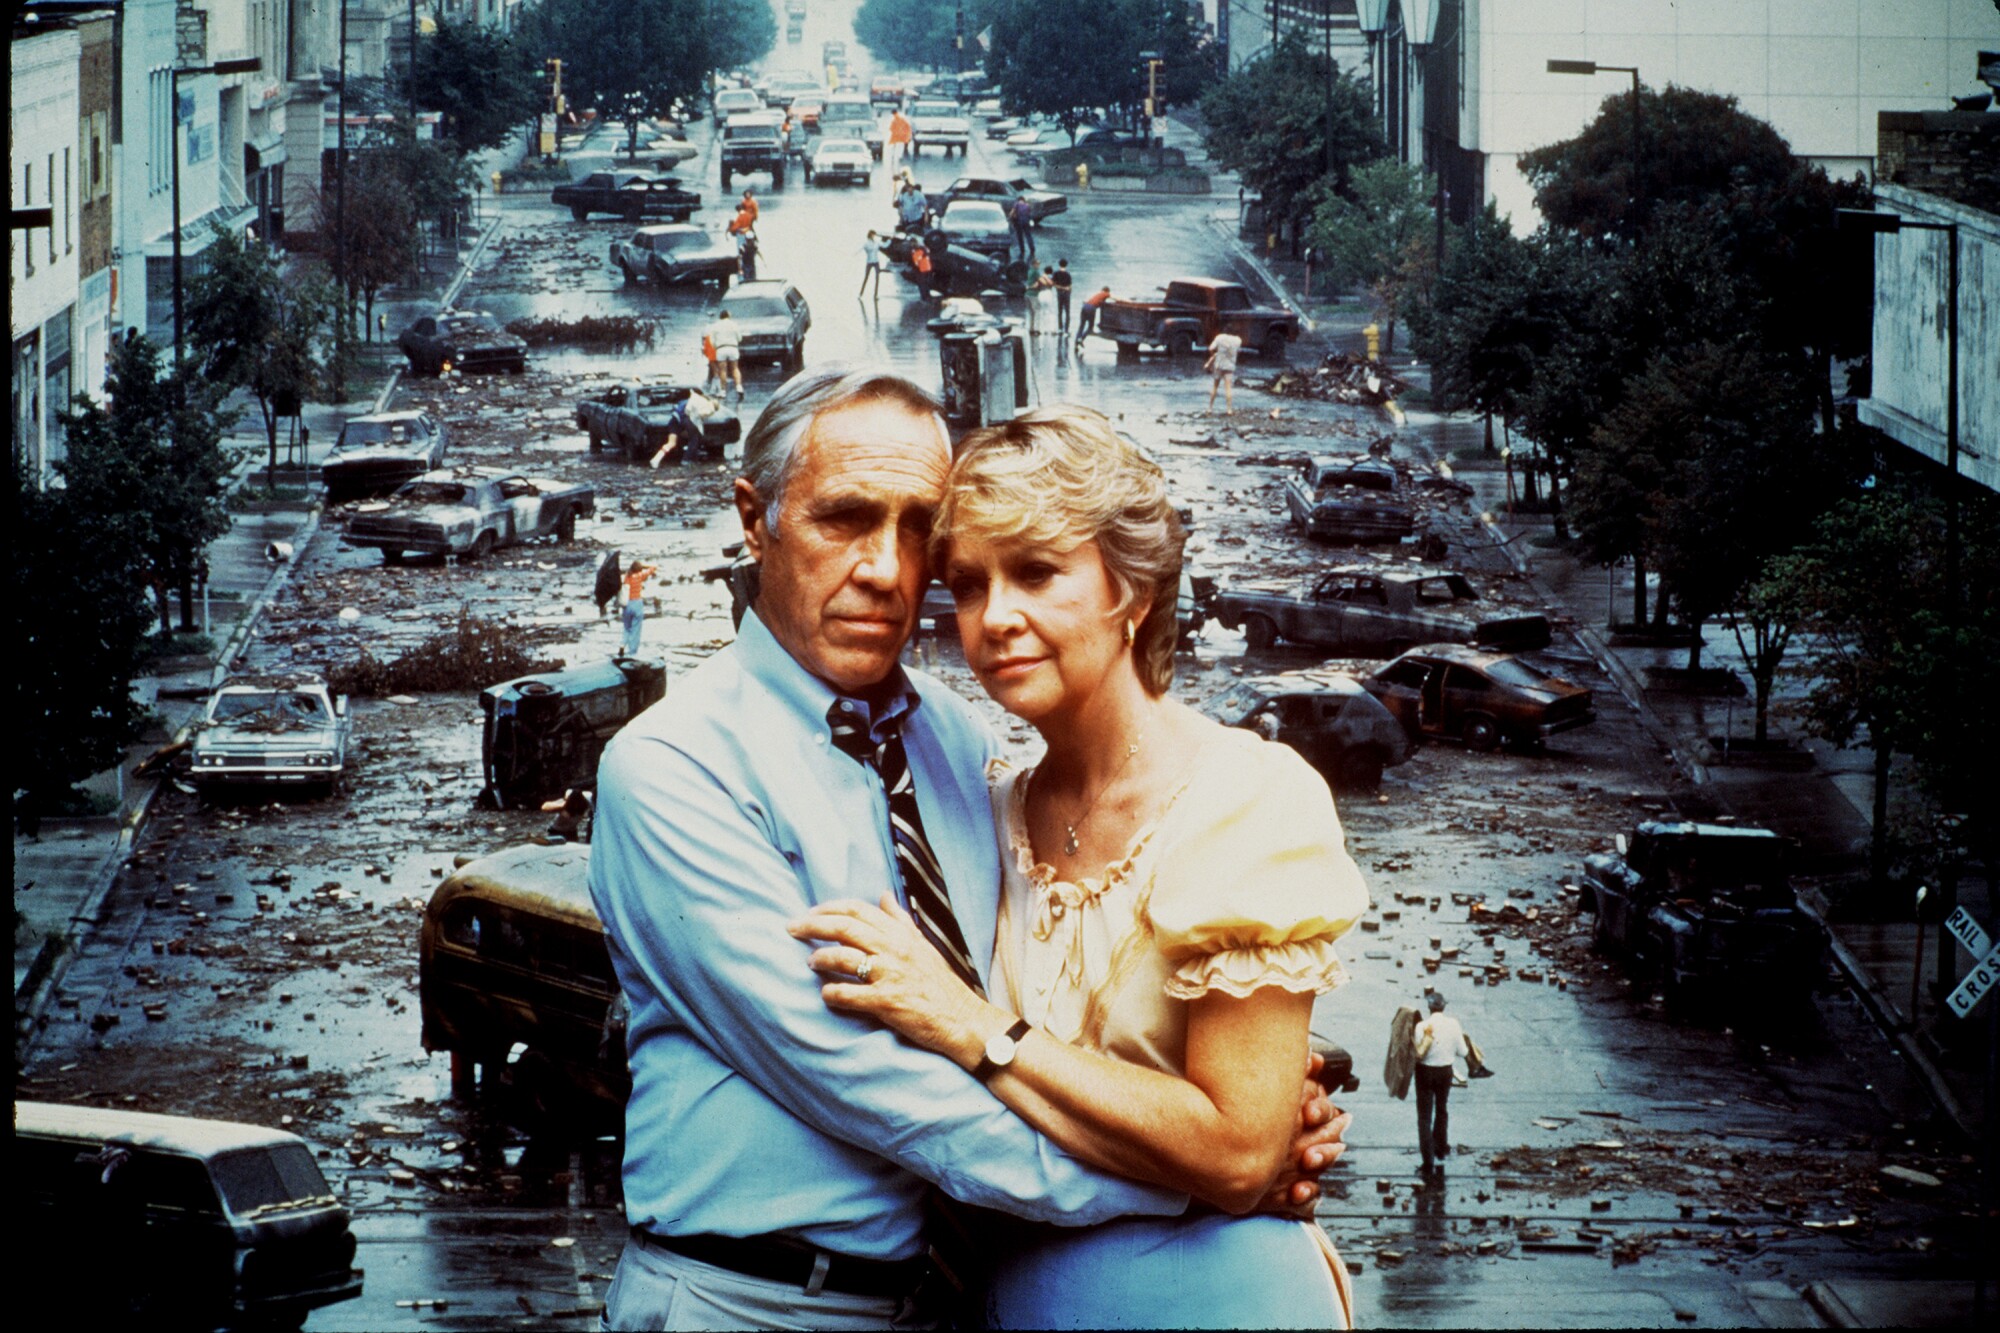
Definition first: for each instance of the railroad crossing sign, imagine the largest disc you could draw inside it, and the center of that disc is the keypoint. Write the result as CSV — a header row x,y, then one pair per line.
x,y
1985,971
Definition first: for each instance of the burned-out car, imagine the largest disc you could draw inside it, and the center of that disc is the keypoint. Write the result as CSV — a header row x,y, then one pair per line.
x,y
511,952
468,341
1349,500
544,733
1369,612
1705,908
1479,697
379,452
469,512
277,731
1334,724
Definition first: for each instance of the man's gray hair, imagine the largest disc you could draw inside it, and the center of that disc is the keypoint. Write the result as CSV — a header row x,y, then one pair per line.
x,y
772,446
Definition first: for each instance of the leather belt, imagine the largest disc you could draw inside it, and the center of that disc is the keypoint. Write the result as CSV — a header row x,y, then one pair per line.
x,y
793,1263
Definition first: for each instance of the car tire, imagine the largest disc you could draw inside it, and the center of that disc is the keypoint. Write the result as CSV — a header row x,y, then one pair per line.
x,y
1259,632
1128,353
578,213
1358,770
566,527
1276,344
482,546
1600,932
866,180
778,179
1181,343
725,178
626,269
596,443
392,556
1481,733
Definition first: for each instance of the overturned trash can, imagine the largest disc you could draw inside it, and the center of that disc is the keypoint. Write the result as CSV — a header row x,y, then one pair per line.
x,y
985,377
545,733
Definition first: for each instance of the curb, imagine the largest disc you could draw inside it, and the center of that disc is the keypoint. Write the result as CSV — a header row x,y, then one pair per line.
x,y
44,978
1271,280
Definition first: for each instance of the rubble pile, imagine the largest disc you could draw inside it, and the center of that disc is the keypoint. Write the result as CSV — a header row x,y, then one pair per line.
x,y
471,656
598,333
1341,378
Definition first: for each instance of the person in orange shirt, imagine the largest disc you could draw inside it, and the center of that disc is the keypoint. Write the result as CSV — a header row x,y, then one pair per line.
x,y
749,205
633,616
900,135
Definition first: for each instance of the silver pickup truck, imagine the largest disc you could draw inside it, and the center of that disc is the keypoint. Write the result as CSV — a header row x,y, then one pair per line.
x,y
272,730
469,512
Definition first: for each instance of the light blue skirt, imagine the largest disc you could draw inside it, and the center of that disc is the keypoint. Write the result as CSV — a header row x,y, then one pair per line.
x,y
1206,1270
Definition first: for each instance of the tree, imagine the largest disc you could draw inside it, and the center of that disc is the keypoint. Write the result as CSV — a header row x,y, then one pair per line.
x,y
257,328
148,465
1378,237
1068,58
1486,325
1269,121
79,625
481,79
917,33
643,56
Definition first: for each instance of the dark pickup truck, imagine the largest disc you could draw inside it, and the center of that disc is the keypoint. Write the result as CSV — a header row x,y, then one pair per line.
x,y
753,141
1705,909
469,512
1189,316
636,419
628,194
1373,612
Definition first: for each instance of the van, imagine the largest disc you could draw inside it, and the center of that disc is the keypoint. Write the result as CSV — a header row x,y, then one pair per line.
x,y
198,1222
512,954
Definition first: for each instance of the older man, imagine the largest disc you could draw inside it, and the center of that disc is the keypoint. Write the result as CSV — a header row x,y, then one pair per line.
x,y
778,1152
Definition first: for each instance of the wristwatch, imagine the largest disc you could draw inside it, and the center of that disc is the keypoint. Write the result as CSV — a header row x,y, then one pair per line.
x,y
1000,1050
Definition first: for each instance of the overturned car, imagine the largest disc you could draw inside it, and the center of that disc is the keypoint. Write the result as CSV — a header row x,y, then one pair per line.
x,y
544,733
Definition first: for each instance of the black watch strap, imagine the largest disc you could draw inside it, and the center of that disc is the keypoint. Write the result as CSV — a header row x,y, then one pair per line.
x,y
986,1068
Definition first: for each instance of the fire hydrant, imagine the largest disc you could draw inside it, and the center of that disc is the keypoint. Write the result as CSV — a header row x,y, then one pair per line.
x,y
1083,175
1373,333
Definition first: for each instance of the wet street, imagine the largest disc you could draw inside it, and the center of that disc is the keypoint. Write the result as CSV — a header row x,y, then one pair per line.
x,y
258,961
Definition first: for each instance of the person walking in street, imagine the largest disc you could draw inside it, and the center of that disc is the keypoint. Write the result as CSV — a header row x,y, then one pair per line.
x,y
1087,321
747,209
875,258
1062,282
911,208
728,352
713,384
633,616
1221,367
1440,1043
1040,292
1020,218
898,143
746,255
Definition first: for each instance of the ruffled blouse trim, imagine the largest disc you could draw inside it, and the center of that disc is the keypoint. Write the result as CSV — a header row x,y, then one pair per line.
x,y
1299,966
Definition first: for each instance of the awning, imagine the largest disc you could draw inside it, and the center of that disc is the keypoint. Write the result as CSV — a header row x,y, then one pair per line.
x,y
196,235
255,159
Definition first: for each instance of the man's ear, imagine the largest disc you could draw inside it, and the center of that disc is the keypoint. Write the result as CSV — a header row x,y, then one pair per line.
x,y
750,510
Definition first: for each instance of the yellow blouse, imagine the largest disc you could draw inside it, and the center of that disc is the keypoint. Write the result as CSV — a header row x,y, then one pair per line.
x,y
1242,882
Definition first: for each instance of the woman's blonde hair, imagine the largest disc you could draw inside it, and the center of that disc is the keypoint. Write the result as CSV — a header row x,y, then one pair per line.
x,y
1061,476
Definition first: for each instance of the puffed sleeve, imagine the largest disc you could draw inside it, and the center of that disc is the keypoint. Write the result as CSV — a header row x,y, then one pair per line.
x,y
1258,885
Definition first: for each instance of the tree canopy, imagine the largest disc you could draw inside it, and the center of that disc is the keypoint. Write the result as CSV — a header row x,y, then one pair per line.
x,y
644,55
1268,122
1069,58
483,80
920,33
1379,237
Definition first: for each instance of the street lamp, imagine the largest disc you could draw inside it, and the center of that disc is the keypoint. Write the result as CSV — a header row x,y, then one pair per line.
x,y
1638,174
246,65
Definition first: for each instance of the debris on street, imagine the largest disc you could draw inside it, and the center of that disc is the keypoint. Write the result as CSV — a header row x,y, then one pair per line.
x,y
1341,378
472,655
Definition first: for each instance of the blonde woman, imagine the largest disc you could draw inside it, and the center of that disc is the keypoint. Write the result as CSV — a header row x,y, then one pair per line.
x,y
1173,892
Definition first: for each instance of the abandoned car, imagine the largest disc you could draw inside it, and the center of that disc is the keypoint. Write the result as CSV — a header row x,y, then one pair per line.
x,y
1349,500
544,733
1704,909
1479,697
287,731
379,452
1374,612
467,341
1334,724
469,512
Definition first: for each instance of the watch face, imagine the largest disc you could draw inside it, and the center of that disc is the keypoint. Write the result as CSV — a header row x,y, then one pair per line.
x,y
1000,1050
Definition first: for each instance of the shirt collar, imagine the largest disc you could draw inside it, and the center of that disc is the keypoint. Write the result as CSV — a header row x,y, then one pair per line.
x,y
764,658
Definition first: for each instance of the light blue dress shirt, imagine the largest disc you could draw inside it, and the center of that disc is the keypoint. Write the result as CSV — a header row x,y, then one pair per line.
x,y
722,813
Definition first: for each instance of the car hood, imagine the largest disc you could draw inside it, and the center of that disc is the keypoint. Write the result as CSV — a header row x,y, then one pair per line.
x,y
376,450
482,342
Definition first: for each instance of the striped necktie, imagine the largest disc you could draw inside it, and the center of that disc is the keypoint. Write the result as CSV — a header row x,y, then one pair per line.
x,y
923,879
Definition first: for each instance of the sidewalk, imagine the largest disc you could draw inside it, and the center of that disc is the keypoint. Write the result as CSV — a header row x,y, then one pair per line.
x,y
61,877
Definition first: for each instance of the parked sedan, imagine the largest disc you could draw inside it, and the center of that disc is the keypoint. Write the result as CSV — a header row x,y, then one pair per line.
x,y
1334,724
1375,612
379,452
772,318
1481,698
846,161
675,253
976,224
469,341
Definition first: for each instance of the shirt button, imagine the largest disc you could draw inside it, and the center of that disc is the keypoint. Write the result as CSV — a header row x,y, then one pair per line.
x,y
819,740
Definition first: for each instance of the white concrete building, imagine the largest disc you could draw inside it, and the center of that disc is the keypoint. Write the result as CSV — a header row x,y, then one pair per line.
x,y
44,269
1468,80
1249,28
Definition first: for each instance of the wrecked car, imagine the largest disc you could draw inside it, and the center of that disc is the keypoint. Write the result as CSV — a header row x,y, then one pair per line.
x,y
637,419
1479,697
136,1215
288,731
668,255
469,341
629,194
544,733
1704,909
1374,612
379,452
1349,500
512,952
1334,724
469,512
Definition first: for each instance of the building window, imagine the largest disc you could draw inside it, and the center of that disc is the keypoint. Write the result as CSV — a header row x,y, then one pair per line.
x,y
28,197
52,207
69,233
160,161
